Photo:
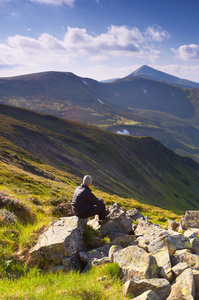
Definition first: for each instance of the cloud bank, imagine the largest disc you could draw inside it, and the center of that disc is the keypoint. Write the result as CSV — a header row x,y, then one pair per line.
x,y
187,52
46,51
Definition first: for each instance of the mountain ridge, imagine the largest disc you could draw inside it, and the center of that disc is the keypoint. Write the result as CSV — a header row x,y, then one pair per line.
x,y
151,73
136,104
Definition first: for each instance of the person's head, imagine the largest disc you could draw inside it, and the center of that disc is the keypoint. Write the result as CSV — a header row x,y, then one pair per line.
x,y
87,180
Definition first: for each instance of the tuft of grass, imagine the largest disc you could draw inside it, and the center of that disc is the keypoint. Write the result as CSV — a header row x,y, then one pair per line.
x,y
99,283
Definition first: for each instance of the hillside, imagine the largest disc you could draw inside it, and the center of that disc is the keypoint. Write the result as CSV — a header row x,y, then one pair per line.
x,y
142,169
141,106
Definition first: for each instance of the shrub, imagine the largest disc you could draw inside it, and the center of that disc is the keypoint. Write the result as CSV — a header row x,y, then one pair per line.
x,y
7,217
19,208
62,209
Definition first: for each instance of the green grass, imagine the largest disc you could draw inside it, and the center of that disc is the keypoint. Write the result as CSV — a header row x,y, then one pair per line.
x,y
90,285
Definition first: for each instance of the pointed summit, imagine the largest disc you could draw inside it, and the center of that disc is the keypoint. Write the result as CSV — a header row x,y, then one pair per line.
x,y
150,73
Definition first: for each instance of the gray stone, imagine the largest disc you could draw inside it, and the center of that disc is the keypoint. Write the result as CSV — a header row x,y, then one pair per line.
x,y
196,280
118,222
97,253
148,295
98,262
134,214
190,234
112,250
173,243
173,225
143,242
192,260
190,219
149,231
160,286
194,245
179,268
125,240
136,263
164,264
184,287
63,238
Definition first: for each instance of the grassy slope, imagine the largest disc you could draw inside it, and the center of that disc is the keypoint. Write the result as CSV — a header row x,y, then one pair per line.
x,y
42,159
142,168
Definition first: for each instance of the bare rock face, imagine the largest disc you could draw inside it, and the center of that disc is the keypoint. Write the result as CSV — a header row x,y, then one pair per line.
x,y
190,219
136,263
60,242
118,222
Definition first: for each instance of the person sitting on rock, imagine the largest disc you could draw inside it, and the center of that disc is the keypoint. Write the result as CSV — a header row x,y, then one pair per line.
x,y
85,204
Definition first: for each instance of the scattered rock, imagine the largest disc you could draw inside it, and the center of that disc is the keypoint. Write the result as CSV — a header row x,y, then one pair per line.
x,y
173,225
179,268
184,287
148,295
149,231
164,264
190,219
134,214
113,250
125,240
136,263
154,263
118,222
161,287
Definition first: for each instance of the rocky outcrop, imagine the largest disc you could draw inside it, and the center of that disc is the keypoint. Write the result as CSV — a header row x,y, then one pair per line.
x,y
136,263
190,219
118,223
155,263
58,246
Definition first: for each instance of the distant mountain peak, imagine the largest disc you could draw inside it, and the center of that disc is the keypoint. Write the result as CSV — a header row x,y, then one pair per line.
x,y
151,73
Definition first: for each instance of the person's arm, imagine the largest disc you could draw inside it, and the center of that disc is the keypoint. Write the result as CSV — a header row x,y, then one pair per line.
x,y
92,198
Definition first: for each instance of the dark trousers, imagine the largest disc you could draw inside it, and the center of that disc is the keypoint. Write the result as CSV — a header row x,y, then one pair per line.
x,y
94,210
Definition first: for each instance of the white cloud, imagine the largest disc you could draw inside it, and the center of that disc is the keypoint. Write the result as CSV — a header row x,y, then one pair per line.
x,y
77,47
56,2
187,52
156,33
117,39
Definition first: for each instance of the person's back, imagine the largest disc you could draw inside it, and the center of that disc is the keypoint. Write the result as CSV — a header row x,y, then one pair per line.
x,y
85,204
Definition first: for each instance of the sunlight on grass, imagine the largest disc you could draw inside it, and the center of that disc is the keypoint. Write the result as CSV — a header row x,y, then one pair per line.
x,y
99,283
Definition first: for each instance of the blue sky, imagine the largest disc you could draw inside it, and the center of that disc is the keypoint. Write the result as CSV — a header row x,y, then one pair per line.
x,y
99,39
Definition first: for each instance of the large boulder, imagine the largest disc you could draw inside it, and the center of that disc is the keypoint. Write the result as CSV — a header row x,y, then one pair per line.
x,y
118,222
185,256
184,287
164,264
173,243
136,263
59,244
161,287
149,231
190,219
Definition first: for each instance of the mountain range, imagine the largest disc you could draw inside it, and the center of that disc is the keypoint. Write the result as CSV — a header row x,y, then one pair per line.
x,y
145,103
